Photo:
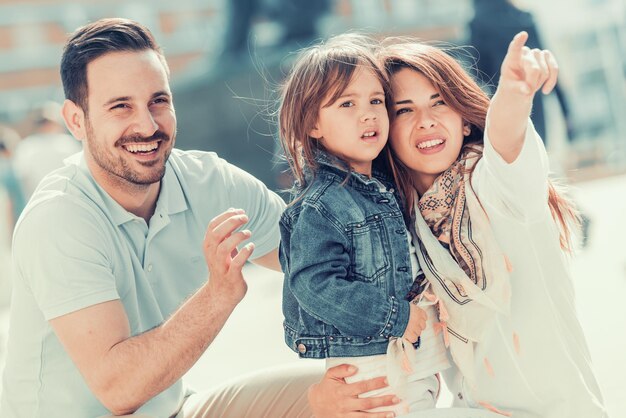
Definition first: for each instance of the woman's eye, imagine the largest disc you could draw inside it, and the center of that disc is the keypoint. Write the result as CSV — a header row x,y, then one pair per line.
x,y
346,104
377,101
402,110
439,103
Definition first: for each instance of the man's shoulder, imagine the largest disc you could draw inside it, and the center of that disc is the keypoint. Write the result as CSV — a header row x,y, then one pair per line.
x,y
63,197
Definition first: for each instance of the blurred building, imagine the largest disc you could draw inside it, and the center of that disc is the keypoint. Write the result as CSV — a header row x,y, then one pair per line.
x,y
229,105
32,33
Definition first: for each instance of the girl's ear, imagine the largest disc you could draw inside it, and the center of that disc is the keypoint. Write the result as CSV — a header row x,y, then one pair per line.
x,y
315,133
467,129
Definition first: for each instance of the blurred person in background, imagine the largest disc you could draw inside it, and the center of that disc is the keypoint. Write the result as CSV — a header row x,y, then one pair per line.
x,y
45,149
11,205
297,19
494,24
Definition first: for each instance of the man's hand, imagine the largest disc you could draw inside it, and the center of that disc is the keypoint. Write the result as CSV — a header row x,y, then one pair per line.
x,y
527,70
225,262
332,397
417,323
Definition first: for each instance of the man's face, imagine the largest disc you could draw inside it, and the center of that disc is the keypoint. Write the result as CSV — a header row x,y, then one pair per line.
x,y
130,123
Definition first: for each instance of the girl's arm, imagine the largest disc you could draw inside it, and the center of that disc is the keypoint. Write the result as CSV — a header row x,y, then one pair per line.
x,y
524,72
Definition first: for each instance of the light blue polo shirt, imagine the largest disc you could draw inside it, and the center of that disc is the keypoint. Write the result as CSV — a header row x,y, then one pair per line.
x,y
74,247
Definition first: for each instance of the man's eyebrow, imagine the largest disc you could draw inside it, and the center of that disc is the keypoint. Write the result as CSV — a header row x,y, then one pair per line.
x,y
117,99
162,93
128,98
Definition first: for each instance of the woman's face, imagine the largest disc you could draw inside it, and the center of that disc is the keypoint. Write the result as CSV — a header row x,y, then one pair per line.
x,y
425,133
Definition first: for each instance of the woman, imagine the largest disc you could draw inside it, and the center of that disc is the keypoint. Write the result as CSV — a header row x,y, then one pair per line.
x,y
491,229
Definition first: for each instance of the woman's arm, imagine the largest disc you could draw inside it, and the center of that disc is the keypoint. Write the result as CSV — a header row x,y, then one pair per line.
x,y
524,72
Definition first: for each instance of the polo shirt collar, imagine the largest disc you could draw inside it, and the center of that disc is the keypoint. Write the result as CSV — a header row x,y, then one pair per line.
x,y
171,198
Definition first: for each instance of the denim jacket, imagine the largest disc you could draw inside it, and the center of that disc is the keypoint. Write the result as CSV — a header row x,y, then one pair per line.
x,y
345,255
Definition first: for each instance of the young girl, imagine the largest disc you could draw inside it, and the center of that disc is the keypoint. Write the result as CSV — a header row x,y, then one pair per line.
x,y
345,247
490,226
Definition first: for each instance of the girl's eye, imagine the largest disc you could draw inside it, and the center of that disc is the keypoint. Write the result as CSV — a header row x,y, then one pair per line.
x,y
439,103
346,104
377,101
402,110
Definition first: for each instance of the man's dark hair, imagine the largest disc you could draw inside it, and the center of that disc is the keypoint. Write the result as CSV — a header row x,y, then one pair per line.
x,y
94,40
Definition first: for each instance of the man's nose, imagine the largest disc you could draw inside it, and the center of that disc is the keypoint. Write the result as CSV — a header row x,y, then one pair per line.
x,y
144,124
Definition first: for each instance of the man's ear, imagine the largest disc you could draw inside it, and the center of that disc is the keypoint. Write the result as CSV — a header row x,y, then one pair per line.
x,y
74,118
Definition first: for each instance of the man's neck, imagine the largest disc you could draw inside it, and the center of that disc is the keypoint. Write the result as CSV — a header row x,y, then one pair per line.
x,y
138,199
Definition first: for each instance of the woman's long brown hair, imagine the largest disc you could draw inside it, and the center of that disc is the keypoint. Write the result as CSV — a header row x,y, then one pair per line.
x,y
460,92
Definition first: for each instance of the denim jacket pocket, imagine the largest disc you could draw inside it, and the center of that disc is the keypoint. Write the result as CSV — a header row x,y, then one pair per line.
x,y
369,259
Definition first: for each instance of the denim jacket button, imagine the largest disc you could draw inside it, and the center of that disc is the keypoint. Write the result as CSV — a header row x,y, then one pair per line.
x,y
393,310
301,348
331,338
376,216
388,325
358,225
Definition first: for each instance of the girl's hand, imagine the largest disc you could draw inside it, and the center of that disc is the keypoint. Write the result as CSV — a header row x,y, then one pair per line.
x,y
526,70
417,323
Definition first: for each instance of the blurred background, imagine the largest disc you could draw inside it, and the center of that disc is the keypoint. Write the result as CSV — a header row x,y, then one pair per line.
x,y
228,59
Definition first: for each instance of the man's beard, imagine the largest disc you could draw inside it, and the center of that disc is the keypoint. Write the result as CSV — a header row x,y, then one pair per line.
x,y
119,167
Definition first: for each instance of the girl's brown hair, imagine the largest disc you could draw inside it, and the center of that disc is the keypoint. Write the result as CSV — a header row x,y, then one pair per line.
x,y
317,79
461,93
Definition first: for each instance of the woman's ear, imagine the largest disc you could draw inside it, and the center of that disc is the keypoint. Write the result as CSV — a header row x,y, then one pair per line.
x,y
467,129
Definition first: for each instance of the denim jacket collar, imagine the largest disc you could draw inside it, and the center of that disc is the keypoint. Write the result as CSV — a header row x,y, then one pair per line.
x,y
330,164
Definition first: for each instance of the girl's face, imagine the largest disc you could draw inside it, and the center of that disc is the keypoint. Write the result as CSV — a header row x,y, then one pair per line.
x,y
426,134
355,127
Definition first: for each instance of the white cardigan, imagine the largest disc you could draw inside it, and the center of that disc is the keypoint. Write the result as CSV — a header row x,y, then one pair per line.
x,y
538,362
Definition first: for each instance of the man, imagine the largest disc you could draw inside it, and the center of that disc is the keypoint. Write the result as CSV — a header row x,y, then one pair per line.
x,y
111,245
112,303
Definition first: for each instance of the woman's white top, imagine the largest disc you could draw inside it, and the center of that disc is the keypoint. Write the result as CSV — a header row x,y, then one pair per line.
x,y
533,363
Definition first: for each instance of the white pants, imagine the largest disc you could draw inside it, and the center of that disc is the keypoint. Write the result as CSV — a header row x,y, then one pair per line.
x,y
417,393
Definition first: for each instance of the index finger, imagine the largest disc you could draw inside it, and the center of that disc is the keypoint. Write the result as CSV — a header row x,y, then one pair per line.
x,y
516,45
519,40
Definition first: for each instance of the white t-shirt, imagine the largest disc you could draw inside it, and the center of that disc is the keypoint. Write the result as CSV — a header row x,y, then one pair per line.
x,y
535,362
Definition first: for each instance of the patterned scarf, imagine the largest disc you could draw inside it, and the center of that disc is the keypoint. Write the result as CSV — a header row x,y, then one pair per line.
x,y
444,208
467,272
